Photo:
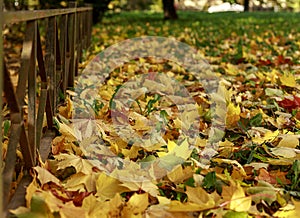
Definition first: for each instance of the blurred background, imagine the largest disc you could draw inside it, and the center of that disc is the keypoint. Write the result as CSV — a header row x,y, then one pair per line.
x,y
157,5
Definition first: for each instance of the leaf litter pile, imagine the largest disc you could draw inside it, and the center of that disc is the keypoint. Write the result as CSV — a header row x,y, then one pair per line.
x,y
98,169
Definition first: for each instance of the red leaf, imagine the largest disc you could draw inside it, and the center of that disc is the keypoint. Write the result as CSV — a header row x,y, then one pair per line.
x,y
282,60
290,104
272,176
79,198
57,195
264,62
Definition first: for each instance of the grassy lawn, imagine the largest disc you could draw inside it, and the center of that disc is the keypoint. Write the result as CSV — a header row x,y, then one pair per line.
x,y
207,32
253,171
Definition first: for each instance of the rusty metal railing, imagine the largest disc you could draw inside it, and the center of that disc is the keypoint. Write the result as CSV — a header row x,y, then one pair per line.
x,y
67,34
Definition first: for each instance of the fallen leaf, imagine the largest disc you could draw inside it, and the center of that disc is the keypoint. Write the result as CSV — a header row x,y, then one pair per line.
x,y
289,141
199,196
136,205
288,79
71,160
239,201
107,187
44,176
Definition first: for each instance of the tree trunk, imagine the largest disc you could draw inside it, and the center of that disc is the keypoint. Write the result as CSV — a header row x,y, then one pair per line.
x,y
246,5
169,9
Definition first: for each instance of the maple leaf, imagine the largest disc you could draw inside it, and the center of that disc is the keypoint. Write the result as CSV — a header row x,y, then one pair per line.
x,y
290,103
146,186
136,205
288,79
70,160
178,174
66,130
199,196
107,187
81,182
44,176
94,208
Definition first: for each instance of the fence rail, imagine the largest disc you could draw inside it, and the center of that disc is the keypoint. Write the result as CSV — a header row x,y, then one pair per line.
x,y
67,34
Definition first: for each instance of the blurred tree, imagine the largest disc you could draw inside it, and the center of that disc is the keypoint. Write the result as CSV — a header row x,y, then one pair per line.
x,y
246,5
169,9
99,8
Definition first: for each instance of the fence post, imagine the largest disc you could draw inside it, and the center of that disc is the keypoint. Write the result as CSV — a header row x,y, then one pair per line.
x,y
50,58
72,41
1,88
32,139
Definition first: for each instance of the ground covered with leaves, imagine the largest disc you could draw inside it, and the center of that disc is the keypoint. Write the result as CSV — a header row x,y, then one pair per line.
x,y
253,170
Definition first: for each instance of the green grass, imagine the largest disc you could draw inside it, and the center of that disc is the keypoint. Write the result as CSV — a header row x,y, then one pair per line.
x,y
208,32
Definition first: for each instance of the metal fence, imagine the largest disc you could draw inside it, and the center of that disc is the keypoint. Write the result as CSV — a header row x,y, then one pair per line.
x,y
55,63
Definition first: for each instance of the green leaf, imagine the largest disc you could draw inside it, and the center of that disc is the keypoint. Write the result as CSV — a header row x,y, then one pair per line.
x,y
164,115
273,92
209,181
6,127
112,103
256,120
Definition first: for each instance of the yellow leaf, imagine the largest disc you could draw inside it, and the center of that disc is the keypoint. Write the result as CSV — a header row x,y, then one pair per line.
x,y
177,206
66,111
199,196
288,79
200,142
94,208
146,186
227,191
31,189
171,145
239,202
284,152
289,141
289,211
81,182
69,210
182,150
60,144
157,211
136,205
68,160
108,187
67,131
231,69
232,115
261,135
132,153
139,202
20,210
163,200
44,176
226,143
273,76
114,205
179,174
